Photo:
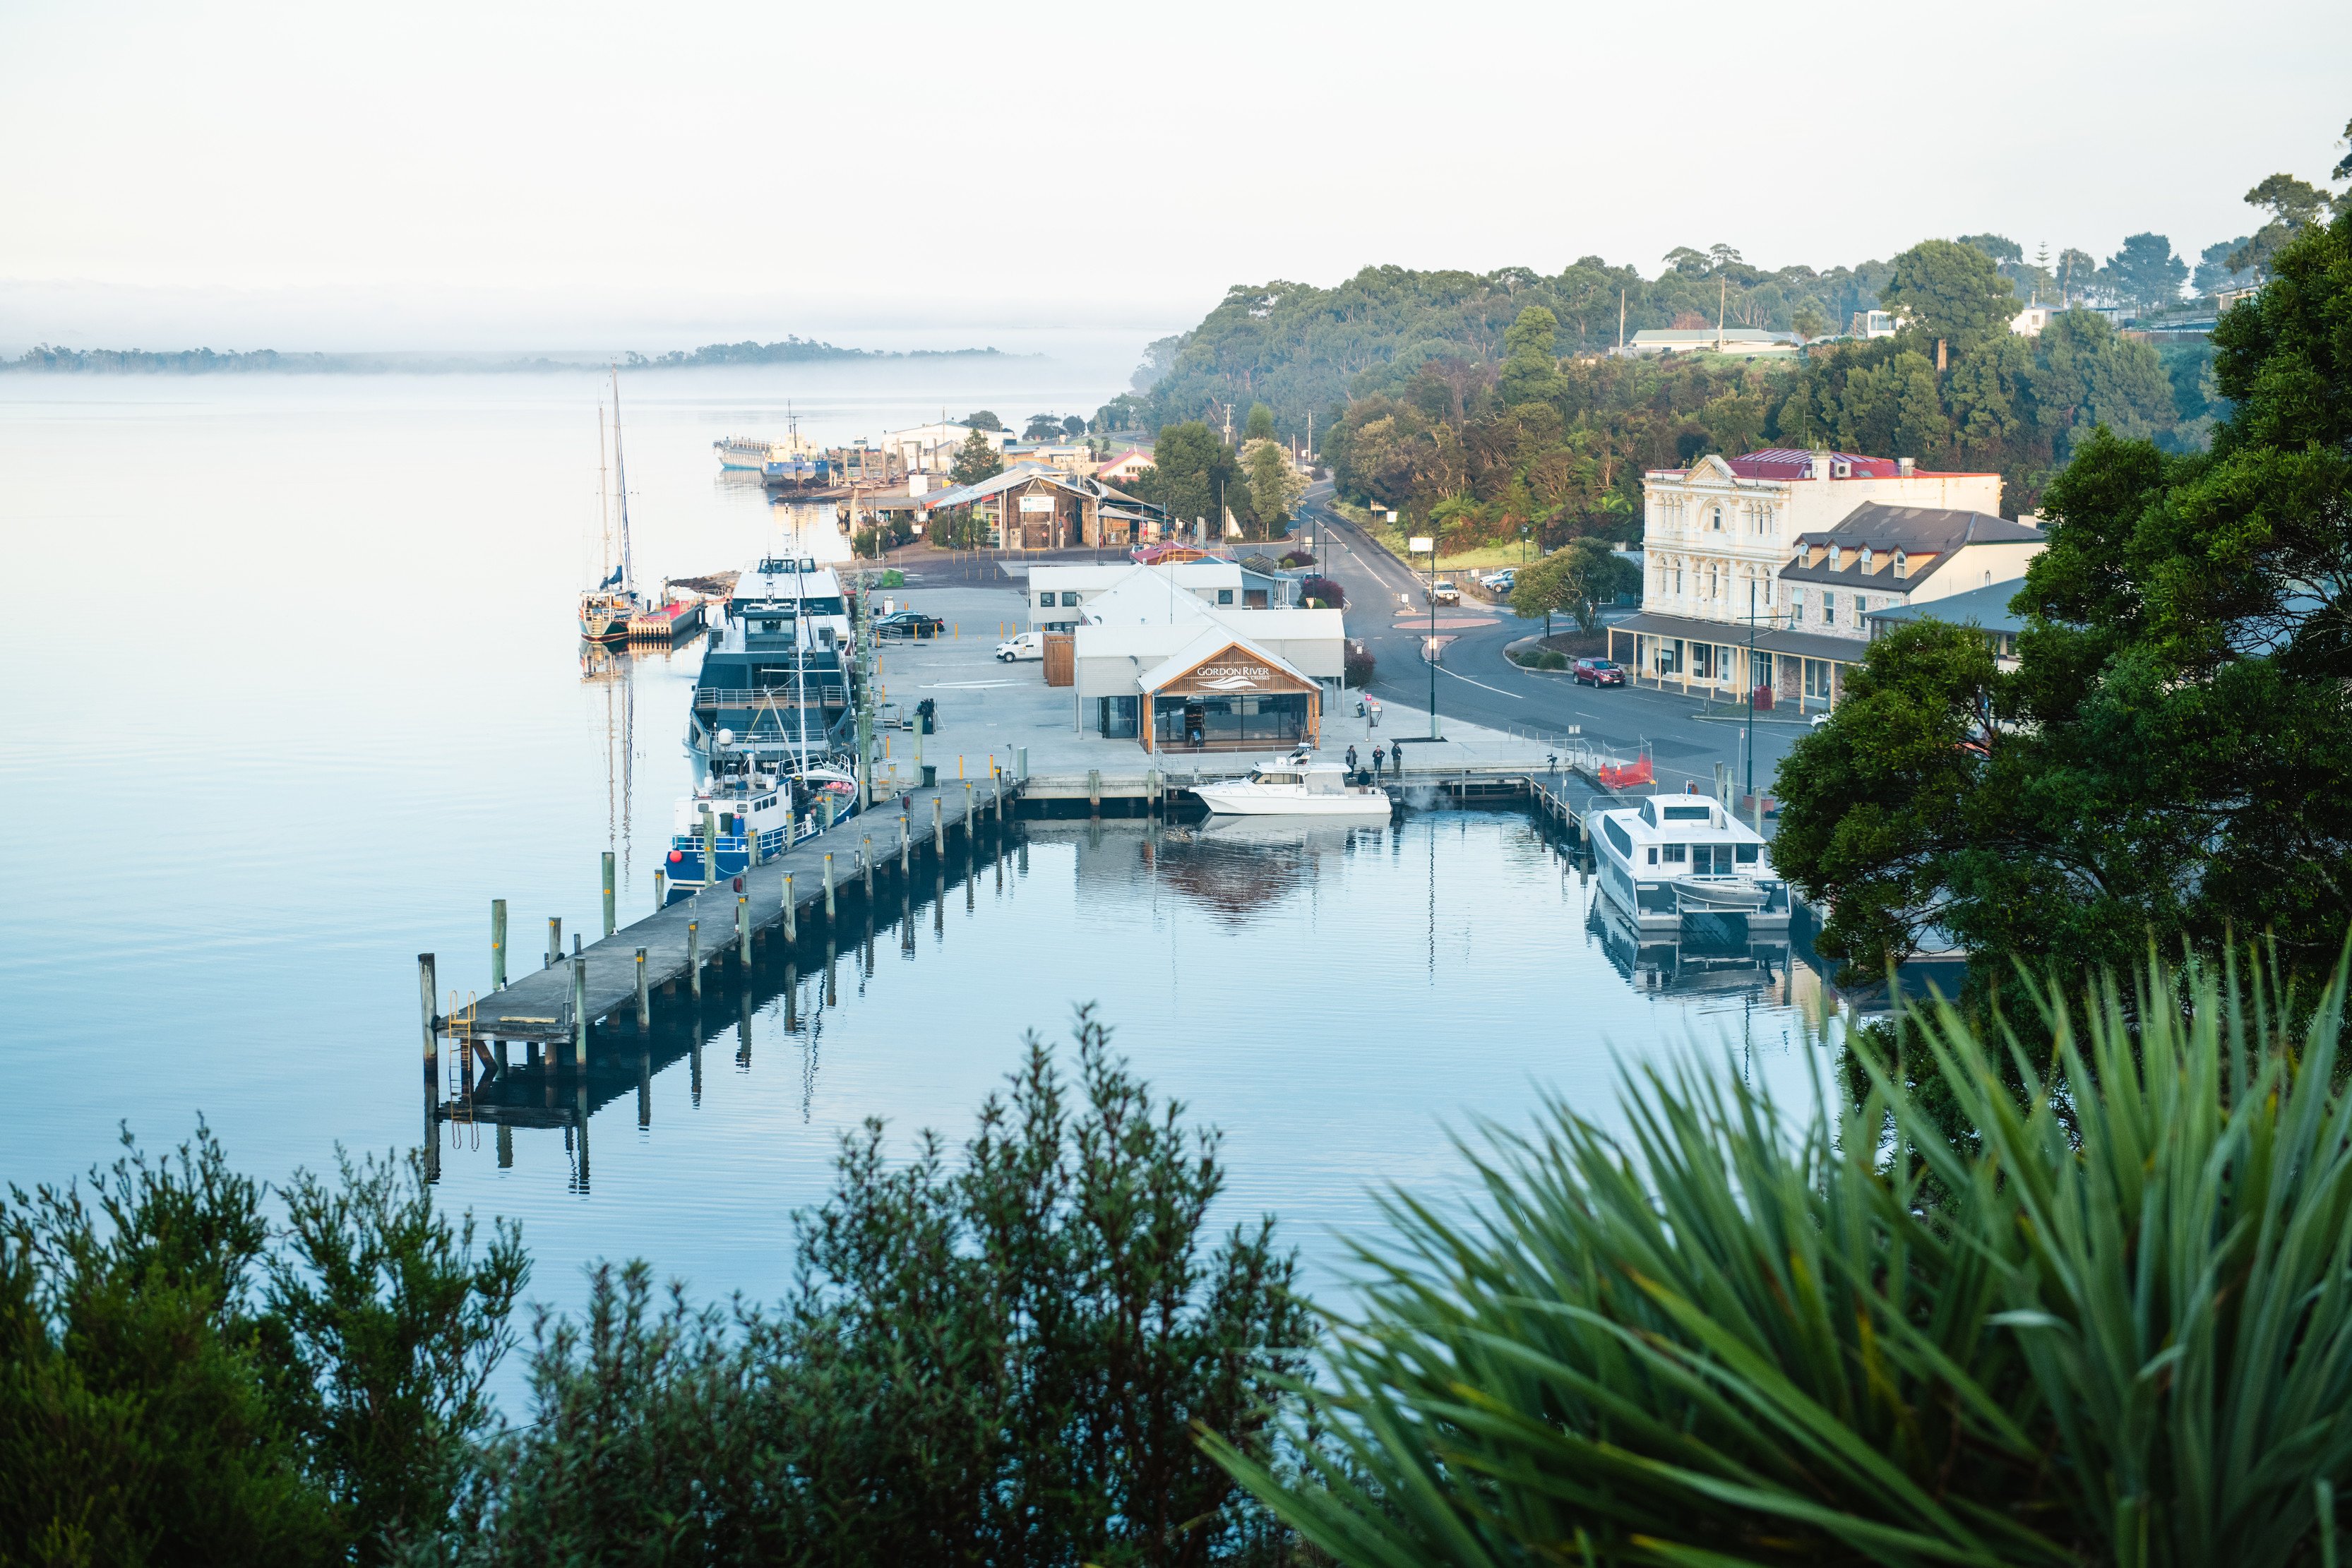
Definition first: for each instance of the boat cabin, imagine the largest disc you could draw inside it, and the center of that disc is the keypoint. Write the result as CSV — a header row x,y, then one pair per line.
x,y
1665,857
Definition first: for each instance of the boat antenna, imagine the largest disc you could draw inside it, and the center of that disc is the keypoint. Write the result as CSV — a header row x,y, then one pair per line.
x,y
621,482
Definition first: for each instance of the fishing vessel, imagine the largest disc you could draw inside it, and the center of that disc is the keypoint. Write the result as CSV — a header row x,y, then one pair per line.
x,y
743,813
747,453
1665,860
1297,787
606,610
777,674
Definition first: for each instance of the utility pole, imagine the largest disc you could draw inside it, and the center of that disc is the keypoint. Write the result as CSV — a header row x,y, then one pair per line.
x,y
1620,320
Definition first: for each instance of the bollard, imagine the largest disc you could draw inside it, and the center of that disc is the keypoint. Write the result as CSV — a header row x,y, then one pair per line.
x,y
694,957
826,801
743,929
645,996
958,764
1094,791
661,892
498,943
999,802
554,940
938,825
579,1012
828,885
611,923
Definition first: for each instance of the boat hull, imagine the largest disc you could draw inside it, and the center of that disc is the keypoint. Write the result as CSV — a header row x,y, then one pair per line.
x,y
1242,801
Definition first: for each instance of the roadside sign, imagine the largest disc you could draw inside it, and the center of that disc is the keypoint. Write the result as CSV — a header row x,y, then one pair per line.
x,y
1421,545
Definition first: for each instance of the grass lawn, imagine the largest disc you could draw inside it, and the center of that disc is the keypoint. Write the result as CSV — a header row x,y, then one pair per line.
x,y
1485,558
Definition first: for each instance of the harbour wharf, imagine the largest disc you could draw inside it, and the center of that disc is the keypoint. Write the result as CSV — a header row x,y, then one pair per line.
x,y
563,1000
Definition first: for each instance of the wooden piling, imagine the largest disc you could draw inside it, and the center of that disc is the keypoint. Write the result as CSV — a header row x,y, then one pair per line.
x,y
694,957
1094,791
939,824
743,930
710,849
554,940
498,943
968,799
645,996
661,889
580,1011
865,862
904,843
828,887
611,911
791,916
427,992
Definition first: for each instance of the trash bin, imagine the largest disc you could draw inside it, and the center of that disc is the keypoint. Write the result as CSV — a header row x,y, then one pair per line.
x,y
927,724
930,776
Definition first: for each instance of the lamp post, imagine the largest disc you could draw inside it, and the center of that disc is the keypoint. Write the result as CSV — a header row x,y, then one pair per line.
x,y
1429,648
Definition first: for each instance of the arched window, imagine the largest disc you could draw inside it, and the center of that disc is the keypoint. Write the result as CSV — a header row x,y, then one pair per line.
x,y
1868,555
1902,566
1718,520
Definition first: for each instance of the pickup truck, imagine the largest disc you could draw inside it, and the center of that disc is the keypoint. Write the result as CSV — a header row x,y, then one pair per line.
x,y
1443,591
1027,645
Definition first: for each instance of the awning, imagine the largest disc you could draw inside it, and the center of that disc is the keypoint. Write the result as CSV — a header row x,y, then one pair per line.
x,y
1733,633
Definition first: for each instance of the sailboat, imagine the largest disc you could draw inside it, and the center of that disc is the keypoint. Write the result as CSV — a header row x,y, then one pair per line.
x,y
605,609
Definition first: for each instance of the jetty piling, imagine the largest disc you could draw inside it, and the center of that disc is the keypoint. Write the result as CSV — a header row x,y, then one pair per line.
x,y
611,911
498,943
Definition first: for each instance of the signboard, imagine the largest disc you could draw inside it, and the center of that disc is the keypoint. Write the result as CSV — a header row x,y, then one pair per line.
x,y
1231,671
1420,544
1037,504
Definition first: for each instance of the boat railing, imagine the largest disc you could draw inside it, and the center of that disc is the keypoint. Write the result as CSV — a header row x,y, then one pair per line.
x,y
818,693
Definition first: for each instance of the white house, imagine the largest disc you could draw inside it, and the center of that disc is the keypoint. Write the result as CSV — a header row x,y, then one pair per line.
x,y
932,448
1058,595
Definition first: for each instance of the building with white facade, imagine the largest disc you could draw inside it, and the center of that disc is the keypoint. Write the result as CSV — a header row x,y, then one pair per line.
x,y
1721,538
932,448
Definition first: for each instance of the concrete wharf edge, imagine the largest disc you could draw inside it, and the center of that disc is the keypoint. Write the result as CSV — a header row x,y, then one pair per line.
x,y
537,1005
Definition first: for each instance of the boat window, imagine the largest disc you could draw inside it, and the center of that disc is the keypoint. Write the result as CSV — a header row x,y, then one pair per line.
x,y
1685,813
1619,837
1745,855
1677,854
1653,854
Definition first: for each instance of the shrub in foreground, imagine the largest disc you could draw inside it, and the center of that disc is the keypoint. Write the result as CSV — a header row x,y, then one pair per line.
x,y
1002,1359
2114,1324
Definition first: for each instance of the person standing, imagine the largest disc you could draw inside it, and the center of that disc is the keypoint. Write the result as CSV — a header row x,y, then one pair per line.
x,y
1351,759
1377,755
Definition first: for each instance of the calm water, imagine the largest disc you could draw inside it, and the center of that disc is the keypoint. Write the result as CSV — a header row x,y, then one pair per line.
x,y
292,692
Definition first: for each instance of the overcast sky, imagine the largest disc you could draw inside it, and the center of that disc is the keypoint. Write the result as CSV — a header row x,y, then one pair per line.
x,y
475,174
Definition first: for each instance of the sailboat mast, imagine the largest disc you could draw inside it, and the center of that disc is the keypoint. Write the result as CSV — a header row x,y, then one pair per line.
x,y
621,482
604,499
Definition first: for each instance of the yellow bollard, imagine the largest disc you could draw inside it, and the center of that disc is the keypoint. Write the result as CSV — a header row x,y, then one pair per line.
x,y
958,764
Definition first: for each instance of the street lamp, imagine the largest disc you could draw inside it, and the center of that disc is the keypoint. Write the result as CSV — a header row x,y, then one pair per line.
x,y
1416,544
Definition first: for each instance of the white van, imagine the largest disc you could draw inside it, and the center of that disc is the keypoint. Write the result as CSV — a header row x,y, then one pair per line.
x,y
1028,645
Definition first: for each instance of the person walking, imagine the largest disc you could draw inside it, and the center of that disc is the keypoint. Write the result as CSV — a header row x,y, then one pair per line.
x,y
1377,755
1351,759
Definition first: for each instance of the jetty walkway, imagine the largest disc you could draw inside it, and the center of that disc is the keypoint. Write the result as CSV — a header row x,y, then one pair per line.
x,y
620,974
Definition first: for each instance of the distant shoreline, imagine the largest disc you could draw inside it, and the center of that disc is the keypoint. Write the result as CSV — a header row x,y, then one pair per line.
x,y
46,359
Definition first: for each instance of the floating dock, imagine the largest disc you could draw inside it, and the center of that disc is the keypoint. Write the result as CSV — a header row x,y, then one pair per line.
x,y
666,622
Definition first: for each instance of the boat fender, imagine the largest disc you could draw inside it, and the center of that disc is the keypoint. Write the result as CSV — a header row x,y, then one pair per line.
x,y
675,856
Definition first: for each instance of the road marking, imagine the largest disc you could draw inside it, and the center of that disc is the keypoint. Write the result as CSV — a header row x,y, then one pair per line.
x,y
965,685
1514,696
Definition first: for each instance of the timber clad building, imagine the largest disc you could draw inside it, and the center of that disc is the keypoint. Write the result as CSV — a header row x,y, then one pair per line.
x,y
1759,572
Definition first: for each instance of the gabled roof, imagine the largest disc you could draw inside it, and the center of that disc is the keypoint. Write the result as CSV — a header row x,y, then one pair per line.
x,y
1130,453
1214,640
1985,607
1935,533
1790,463
1019,474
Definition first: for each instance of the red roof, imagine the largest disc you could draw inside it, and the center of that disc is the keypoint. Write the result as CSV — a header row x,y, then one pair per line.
x,y
1788,462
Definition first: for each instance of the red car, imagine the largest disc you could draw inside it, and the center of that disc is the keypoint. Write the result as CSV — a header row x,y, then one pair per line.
x,y
1599,673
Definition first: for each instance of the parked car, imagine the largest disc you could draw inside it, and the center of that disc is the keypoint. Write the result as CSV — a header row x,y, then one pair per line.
x,y
1597,672
1028,645
1501,581
908,623
1443,591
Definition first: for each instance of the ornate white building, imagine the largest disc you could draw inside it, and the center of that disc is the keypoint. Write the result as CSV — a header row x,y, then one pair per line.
x,y
1716,538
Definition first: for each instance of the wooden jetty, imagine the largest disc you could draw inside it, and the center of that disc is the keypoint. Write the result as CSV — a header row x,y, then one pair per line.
x,y
563,1000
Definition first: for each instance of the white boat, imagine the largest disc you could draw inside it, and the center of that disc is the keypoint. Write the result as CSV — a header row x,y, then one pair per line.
x,y
743,452
1667,859
606,609
1295,787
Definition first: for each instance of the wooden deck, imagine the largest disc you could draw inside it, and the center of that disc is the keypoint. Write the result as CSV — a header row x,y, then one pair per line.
x,y
559,1001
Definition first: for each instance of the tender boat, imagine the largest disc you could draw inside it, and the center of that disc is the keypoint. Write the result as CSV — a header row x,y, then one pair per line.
x,y
1667,859
1297,787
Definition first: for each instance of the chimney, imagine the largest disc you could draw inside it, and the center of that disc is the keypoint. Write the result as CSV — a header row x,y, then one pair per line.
x,y
1821,466
1904,468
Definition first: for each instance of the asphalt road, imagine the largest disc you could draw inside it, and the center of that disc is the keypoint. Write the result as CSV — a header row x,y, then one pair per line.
x,y
1475,682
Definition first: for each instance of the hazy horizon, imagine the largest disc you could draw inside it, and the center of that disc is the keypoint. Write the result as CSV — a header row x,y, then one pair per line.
x,y
532,178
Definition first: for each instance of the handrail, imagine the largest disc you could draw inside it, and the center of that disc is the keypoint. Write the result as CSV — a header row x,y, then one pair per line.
x,y
823,693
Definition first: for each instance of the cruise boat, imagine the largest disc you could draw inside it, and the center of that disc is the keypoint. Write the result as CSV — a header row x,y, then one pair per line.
x,y
743,452
1297,787
740,815
777,671
1668,859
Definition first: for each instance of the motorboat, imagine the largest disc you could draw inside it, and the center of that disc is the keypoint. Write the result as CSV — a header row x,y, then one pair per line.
x,y
1668,859
743,813
1296,786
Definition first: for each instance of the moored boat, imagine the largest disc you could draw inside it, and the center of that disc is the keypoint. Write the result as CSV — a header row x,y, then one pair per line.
x,y
1665,860
1297,787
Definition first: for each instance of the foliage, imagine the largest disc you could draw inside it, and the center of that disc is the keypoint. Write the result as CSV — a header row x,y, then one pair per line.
x,y
1325,591
1357,666
1296,558
1952,291
1001,1359
1275,485
2169,756
1190,468
975,460
1043,427
1259,427
154,1407
2146,273
1072,427
1577,579
984,419
2109,1325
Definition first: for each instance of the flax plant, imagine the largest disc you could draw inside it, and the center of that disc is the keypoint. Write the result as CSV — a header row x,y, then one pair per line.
x,y
2112,1325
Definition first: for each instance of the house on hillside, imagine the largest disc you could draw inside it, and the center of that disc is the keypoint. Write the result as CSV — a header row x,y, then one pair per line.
x,y
1722,537
1124,467
1748,340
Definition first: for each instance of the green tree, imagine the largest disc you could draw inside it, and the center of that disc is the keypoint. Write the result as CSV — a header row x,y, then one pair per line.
x,y
1577,580
1807,322
1529,371
2146,273
983,420
2108,1324
1274,486
1950,291
2294,206
975,460
1189,466
1259,427
1043,427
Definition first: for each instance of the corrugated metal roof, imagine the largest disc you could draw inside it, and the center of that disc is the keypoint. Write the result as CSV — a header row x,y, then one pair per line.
x,y
1985,607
